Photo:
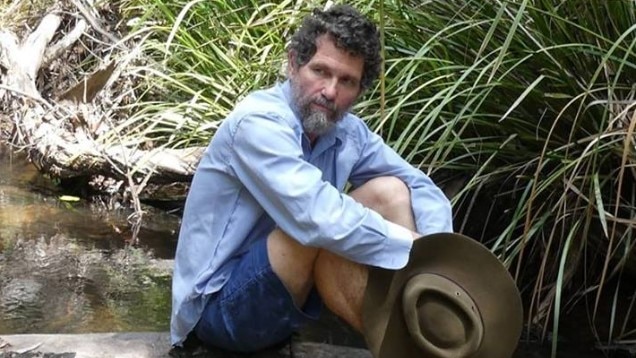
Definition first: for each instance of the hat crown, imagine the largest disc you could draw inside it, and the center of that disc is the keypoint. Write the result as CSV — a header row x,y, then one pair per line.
x,y
443,325
441,317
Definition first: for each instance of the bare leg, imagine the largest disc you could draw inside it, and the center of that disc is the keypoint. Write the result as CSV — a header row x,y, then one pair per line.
x,y
340,282
293,263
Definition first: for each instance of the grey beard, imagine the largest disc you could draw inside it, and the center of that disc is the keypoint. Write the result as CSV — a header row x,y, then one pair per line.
x,y
317,123
314,122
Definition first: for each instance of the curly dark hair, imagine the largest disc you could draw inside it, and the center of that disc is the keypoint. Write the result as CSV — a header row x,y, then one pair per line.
x,y
351,31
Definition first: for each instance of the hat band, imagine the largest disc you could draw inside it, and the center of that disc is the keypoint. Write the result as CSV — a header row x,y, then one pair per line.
x,y
458,324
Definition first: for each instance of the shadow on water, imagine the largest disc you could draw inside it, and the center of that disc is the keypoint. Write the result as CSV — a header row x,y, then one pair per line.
x,y
68,267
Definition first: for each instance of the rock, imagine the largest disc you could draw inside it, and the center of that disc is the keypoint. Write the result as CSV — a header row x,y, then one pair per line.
x,y
151,345
321,350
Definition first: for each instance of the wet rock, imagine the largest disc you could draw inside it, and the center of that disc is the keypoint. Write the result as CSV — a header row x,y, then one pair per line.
x,y
156,345
293,350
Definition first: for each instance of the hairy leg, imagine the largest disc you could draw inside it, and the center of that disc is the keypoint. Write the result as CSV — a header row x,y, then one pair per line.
x,y
340,282
293,263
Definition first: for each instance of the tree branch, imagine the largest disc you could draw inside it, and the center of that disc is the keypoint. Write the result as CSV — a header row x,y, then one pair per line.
x,y
8,46
93,21
35,44
65,43
58,138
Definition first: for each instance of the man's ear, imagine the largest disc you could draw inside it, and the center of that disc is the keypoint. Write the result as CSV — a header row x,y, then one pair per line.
x,y
291,62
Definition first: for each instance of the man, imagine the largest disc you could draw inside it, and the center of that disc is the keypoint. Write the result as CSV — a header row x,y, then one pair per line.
x,y
268,235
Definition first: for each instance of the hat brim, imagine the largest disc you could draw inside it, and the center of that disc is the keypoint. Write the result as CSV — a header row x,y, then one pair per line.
x,y
467,263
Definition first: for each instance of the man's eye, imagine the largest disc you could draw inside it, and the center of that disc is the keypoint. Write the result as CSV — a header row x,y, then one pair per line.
x,y
349,83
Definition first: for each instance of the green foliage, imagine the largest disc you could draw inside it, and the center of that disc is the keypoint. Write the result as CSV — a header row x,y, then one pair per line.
x,y
206,56
528,103
531,103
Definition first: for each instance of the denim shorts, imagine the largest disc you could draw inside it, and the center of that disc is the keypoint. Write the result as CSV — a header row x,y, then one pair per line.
x,y
254,310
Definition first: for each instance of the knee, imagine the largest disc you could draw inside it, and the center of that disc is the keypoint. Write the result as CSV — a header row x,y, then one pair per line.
x,y
287,253
290,260
387,194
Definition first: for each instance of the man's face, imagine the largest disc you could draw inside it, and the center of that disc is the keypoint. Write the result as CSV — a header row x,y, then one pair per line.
x,y
326,87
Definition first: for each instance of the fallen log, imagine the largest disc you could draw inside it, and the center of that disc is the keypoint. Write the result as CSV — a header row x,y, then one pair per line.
x,y
64,135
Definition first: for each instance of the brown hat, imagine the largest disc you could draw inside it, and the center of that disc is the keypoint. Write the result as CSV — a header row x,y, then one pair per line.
x,y
453,299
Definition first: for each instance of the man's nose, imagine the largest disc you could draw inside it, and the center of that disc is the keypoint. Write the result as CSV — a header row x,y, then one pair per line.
x,y
330,90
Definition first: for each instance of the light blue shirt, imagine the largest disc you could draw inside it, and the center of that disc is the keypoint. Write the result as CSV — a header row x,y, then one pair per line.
x,y
260,172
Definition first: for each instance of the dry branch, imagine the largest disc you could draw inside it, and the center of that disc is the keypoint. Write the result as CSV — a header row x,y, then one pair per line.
x,y
62,137
64,44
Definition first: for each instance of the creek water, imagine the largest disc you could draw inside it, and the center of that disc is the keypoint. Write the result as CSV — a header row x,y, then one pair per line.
x,y
69,267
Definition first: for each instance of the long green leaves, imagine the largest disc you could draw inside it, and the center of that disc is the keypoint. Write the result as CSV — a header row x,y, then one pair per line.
x,y
203,57
557,78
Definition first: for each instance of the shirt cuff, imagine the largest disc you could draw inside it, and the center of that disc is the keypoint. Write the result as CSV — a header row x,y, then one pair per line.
x,y
397,248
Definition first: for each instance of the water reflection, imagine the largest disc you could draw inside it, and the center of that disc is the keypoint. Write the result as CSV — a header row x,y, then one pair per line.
x,y
69,267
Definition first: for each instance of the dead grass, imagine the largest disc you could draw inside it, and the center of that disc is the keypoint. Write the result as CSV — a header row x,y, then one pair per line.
x,y
19,16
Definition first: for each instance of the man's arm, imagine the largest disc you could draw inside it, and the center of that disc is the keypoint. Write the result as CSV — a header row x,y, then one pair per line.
x,y
431,208
267,158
